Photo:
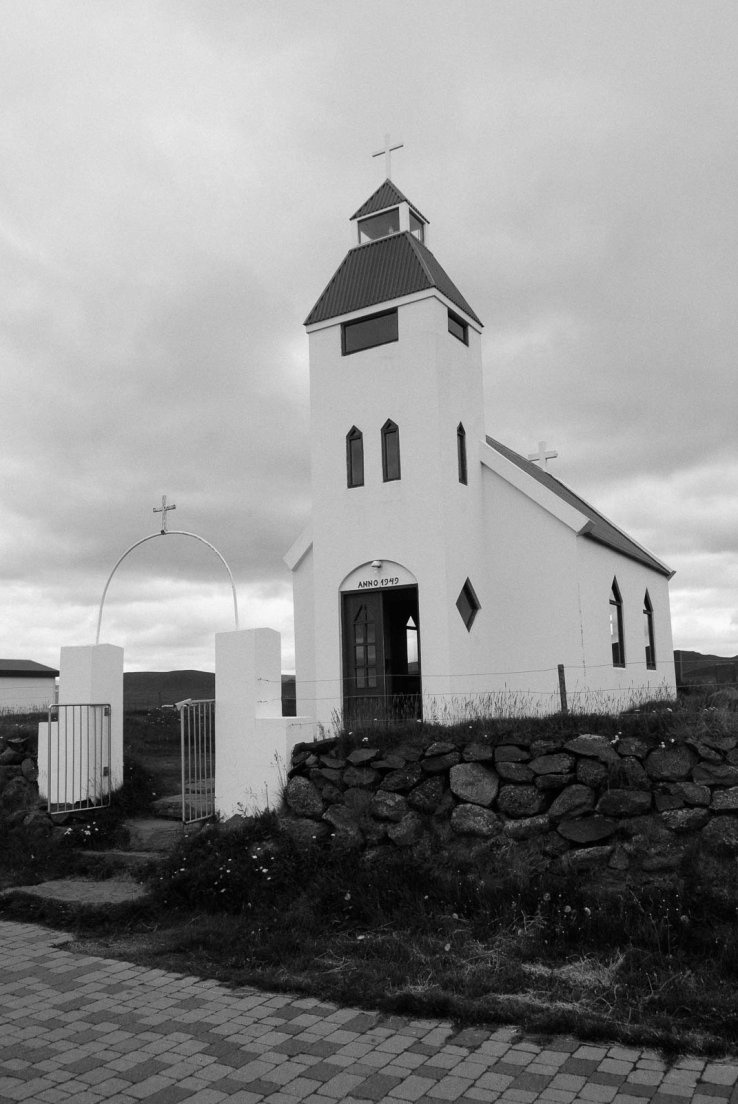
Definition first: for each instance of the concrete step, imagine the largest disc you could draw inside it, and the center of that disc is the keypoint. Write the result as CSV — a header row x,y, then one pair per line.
x,y
105,863
153,833
81,892
170,807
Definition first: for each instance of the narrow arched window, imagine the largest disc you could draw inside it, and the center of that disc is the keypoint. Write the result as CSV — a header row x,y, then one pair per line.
x,y
390,451
648,634
355,457
617,641
461,452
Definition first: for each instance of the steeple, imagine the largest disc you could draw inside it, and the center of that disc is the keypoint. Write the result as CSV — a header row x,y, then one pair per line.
x,y
390,259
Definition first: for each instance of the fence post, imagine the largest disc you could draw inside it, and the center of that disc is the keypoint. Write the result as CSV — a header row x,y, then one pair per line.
x,y
562,689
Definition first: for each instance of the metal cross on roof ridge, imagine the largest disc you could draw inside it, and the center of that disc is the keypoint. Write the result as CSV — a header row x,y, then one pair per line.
x,y
542,457
388,151
163,510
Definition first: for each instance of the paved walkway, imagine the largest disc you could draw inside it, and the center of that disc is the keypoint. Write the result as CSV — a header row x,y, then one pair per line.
x,y
84,1029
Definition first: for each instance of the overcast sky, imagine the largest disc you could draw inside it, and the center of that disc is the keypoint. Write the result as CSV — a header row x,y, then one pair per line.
x,y
176,179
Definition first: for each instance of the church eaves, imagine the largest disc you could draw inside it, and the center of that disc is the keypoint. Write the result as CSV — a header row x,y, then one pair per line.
x,y
599,528
382,270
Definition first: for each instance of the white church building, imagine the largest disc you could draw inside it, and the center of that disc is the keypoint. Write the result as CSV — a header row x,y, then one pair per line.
x,y
442,573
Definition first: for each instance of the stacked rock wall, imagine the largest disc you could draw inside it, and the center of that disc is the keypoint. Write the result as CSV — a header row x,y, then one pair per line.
x,y
627,808
19,800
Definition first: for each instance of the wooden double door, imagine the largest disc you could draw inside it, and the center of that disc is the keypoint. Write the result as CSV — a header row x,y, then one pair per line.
x,y
381,655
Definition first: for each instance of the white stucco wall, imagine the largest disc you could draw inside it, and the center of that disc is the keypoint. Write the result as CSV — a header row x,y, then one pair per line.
x,y
543,588
598,566
426,382
27,693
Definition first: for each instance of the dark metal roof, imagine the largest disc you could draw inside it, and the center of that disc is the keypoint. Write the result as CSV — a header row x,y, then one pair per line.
x,y
381,270
599,528
386,195
25,668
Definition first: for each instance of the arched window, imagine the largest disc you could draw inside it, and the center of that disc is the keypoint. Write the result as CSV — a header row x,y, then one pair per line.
x,y
461,452
355,457
390,451
648,635
616,626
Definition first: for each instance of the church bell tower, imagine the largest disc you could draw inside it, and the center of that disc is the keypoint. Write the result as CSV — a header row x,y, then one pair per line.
x,y
382,578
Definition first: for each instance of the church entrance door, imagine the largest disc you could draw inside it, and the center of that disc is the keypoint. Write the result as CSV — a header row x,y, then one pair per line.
x,y
381,655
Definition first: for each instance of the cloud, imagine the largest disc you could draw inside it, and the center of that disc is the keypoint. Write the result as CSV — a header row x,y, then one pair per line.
x,y
176,187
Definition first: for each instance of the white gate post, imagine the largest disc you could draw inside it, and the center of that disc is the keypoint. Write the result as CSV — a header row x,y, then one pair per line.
x,y
253,740
89,674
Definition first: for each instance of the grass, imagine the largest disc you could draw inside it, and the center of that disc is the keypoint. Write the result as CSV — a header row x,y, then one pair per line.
x,y
429,937
480,940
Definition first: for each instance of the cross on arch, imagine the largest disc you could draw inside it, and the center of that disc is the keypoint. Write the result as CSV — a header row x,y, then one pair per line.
x,y
542,457
163,510
387,153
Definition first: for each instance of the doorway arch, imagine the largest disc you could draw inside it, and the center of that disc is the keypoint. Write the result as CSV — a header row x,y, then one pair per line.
x,y
381,650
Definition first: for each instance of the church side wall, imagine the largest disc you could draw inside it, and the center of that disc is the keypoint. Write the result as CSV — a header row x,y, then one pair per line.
x,y
303,598
598,565
529,620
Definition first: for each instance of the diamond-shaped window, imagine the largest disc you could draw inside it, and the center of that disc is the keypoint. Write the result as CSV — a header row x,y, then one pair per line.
x,y
468,604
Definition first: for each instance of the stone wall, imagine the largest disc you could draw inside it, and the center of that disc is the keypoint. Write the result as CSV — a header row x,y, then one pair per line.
x,y
19,800
627,808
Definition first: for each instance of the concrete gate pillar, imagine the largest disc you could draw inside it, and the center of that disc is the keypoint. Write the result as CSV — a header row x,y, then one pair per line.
x,y
253,741
88,675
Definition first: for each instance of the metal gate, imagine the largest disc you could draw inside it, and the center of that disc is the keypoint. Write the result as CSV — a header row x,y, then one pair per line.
x,y
197,724
79,753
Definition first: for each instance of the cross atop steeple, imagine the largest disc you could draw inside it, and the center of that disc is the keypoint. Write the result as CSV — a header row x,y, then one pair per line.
x,y
387,152
542,457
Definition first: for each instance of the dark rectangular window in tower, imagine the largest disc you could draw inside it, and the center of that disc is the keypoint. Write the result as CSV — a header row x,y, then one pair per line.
x,y
458,327
364,333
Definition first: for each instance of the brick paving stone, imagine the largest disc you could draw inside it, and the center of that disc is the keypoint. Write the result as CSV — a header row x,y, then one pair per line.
x,y
302,1087
172,1094
376,1087
130,1034
643,1076
601,1093
615,1065
411,1088
556,1096
569,1081
530,1082
449,1088
625,1098
341,1085
599,1077
518,1096
494,1081
583,1066
718,1073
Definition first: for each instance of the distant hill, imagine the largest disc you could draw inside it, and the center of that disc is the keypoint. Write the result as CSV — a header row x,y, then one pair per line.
x,y
154,689
695,668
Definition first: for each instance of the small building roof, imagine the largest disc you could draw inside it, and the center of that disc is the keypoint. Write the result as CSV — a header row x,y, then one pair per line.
x,y
599,528
25,668
382,270
386,195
